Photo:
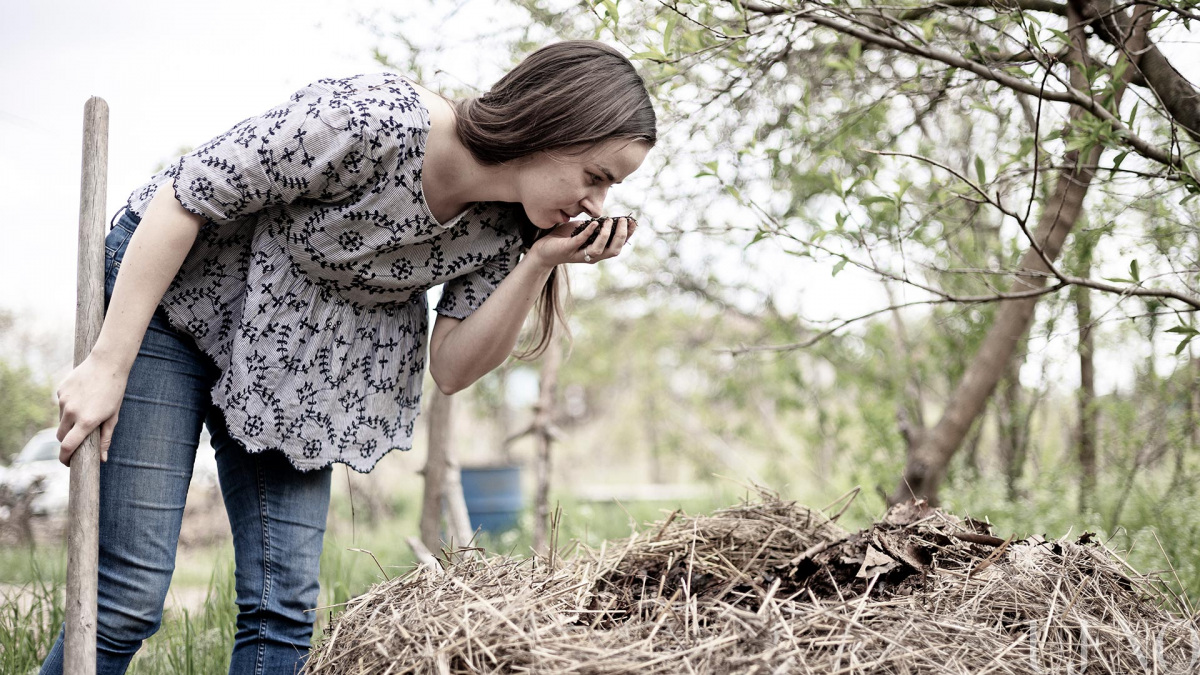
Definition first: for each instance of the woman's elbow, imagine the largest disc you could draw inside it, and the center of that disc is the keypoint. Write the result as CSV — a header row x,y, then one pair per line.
x,y
445,383
446,389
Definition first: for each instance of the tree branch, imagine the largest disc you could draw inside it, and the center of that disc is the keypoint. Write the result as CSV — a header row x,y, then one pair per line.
x,y
1047,6
1070,95
1179,96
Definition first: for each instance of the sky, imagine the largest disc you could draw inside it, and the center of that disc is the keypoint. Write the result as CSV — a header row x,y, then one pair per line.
x,y
175,75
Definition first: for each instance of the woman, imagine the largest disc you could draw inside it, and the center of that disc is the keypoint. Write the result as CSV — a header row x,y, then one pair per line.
x,y
271,285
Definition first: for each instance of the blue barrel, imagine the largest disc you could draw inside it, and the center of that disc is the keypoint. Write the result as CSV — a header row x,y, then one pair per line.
x,y
493,496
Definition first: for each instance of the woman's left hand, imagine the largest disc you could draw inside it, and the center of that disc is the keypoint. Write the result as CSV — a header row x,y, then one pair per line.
x,y
560,246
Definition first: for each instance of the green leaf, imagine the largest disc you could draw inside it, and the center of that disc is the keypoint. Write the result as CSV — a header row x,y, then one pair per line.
x,y
610,10
874,199
979,170
838,267
1117,162
1133,271
668,31
651,55
927,27
1025,147
1183,330
855,51
1119,280
1183,344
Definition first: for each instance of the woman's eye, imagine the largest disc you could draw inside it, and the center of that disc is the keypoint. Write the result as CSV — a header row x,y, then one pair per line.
x,y
596,180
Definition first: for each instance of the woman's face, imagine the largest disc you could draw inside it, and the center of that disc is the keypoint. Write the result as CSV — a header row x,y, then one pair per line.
x,y
555,189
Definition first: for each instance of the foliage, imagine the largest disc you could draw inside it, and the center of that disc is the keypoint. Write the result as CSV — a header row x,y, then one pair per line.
x,y
26,397
26,407
917,166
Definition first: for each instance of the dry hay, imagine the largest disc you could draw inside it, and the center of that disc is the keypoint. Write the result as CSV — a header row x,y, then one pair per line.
x,y
773,587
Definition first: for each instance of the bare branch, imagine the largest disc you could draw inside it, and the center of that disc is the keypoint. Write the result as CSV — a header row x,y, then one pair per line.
x,y
1047,6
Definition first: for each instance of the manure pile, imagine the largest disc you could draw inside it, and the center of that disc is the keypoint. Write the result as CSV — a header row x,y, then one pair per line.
x,y
773,587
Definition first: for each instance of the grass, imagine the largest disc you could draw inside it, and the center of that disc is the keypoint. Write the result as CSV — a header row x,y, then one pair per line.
x,y
31,612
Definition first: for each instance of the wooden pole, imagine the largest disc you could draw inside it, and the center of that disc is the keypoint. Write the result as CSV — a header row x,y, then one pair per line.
x,y
83,509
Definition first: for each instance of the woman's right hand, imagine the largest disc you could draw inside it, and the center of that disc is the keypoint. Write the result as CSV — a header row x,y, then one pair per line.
x,y
90,397
563,245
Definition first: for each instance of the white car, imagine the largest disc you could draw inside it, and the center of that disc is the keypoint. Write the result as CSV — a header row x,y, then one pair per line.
x,y
39,459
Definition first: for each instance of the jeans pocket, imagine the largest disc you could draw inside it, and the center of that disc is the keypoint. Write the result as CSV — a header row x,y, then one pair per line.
x,y
117,240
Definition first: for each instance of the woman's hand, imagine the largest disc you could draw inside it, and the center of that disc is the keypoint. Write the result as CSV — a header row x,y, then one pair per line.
x,y
560,245
90,397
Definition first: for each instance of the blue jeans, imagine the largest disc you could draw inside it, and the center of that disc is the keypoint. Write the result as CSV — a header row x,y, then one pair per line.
x,y
277,513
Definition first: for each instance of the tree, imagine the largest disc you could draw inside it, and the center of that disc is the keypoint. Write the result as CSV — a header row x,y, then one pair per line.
x,y
841,125
26,398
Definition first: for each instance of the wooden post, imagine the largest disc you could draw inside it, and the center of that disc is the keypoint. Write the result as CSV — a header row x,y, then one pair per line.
x,y
84,505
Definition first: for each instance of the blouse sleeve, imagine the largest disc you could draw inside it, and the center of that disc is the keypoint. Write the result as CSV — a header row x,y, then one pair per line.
x,y
463,295
319,145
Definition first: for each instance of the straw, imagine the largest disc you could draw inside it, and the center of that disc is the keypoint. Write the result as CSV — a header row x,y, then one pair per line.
x,y
770,586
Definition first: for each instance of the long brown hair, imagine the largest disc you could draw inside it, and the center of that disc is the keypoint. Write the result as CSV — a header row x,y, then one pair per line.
x,y
570,93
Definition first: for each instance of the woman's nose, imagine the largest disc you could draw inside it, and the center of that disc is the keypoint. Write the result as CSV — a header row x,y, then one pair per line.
x,y
593,204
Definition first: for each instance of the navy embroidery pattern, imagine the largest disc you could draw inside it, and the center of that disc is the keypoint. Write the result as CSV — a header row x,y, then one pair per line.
x,y
307,282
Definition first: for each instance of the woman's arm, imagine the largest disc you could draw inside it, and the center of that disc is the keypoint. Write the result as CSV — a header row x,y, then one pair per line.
x,y
91,394
462,351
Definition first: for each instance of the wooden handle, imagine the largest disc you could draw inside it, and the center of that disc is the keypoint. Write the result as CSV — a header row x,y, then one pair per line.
x,y
84,508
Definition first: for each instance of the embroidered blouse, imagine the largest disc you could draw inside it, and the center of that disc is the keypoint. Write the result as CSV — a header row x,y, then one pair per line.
x,y
306,284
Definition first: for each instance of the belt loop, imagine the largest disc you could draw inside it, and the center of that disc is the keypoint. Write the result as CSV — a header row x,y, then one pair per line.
x,y
113,223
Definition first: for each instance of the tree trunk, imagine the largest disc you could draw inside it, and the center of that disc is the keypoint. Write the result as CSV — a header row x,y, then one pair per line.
x,y
543,431
927,464
454,502
910,413
1194,407
973,442
504,414
1010,431
654,440
1086,437
443,482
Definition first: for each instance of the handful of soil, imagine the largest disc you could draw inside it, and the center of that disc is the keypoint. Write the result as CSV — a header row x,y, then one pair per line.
x,y
592,238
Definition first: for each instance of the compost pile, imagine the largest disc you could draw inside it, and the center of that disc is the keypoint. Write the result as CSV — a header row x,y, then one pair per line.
x,y
770,586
